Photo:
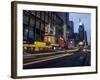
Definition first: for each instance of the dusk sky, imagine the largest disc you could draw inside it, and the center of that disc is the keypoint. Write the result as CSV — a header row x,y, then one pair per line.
x,y
85,19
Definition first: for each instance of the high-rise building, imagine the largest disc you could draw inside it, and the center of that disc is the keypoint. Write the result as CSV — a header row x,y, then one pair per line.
x,y
81,31
76,39
85,38
65,18
71,29
70,34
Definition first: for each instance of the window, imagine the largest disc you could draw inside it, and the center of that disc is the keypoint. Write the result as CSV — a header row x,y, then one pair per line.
x,y
42,16
25,32
25,19
38,14
32,21
37,23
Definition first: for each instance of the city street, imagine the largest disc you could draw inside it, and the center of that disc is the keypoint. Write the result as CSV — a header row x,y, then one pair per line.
x,y
60,60
56,39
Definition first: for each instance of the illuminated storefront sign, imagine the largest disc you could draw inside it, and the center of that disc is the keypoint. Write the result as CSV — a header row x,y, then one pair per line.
x,y
39,44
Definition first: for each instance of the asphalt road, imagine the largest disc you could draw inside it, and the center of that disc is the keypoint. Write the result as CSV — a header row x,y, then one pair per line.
x,y
77,59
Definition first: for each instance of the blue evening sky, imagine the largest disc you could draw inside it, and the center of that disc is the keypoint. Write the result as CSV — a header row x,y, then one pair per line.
x,y
85,19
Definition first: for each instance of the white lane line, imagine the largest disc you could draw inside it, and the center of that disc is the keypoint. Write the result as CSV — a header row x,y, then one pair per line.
x,y
49,58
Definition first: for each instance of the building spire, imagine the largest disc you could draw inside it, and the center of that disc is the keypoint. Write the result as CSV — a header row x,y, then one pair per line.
x,y
80,22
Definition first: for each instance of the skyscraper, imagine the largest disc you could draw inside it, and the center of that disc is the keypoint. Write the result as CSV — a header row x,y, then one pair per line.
x,y
85,38
71,29
76,38
81,31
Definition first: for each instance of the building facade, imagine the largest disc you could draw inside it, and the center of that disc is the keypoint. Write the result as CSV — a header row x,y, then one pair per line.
x,y
85,38
42,28
81,31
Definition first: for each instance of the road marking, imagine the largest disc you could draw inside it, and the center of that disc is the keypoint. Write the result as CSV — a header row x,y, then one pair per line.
x,y
49,58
